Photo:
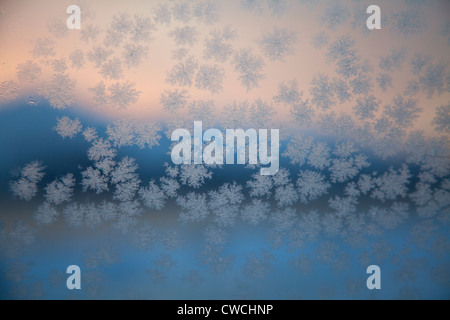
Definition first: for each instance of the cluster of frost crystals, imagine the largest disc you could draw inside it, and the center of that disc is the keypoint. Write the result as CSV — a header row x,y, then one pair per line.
x,y
174,100
59,91
311,185
118,95
347,163
25,188
152,197
286,195
90,134
97,178
320,40
194,175
8,91
28,71
348,61
98,55
182,74
278,44
45,214
392,184
59,65
185,36
251,5
393,61
43,47
302,150
432,79
256,212
194,207
218,46
322,92
225,203
77,58
68,128
367,107
335,14
298,149
206,12
112,69
142,28
60,190
250,68
210,77
94,179
260,186
384,81
288,93
89,32
403,111
408,22
441,121
125,179
123,95
134,132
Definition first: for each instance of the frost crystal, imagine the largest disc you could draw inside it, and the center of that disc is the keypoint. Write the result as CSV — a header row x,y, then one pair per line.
x,y
134,54
182,74
403,112
441,121
45,214
260,186
186,36
59,92
217,47
8,91
392,185
28,71
407,23
393,61
366,108
335,14
170,186
123,94
73,215
142,28
152,196
173,100
194,175
384,81
98,55
132,132
250,68
181,11
194,207
94,180
112,69
125,179
256,212
90,134
77,59
210,77
278,44
311,185
68,128
60,190
25,187
322,92
43,47
286,195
